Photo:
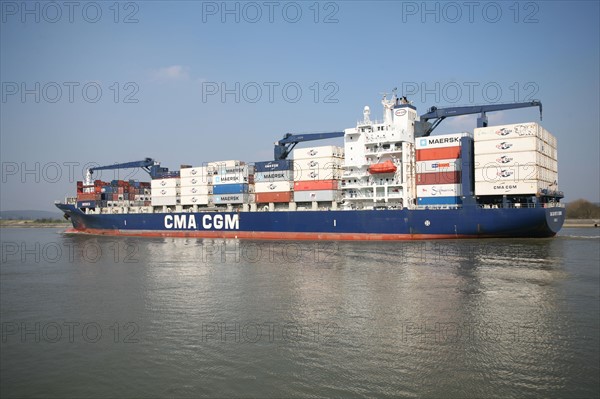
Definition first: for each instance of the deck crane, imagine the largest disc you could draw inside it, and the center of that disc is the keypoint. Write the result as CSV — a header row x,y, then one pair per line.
x,y
284,146
149,165
424,128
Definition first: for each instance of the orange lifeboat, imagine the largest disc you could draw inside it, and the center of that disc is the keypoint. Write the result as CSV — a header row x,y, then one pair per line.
x,y
383,167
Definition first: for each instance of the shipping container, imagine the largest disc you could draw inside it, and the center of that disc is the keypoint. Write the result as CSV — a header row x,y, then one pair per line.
x,y
501,146
434,154
442,165
196,181
195,190
439,190
272,166
165,192
318,152
230,178
227,164
319,163
424,201
438,178
166,200
233,199
277,175
165,183
236,188
317,195
515,159
514,174
275,186
311,185
200,172
194,199
86,204
275,197
440,141
517,130
512,188
318,174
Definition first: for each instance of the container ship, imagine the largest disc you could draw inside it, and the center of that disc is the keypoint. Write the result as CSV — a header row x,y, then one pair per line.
x,y
391,180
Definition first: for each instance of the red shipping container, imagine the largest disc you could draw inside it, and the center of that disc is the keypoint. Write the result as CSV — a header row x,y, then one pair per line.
x,y
310,185
86,196
265,198
120,190
432,154
115,197
438,178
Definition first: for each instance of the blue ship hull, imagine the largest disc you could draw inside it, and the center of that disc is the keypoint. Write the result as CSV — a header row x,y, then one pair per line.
x,y
466,222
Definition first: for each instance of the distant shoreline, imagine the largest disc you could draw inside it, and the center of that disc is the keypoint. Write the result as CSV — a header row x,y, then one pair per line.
x,y
582,223
23,223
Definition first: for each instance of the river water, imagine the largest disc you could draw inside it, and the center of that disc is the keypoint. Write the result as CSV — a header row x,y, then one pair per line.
x,y
145,317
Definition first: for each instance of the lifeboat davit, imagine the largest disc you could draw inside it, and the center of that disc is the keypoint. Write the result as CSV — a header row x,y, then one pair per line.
x,y
383,167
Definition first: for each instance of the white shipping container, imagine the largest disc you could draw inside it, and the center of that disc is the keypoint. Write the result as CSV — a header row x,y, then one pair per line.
x,y
512,188
512,131
233,198
224,170
196,190
276,175
195,199
273,187
319,163
196,171
519,173
502,146
230,178
165,192
318,152
317,195
167,200
443,165
439,190
164,183
514,159
227,164
196,181
317,174
441,141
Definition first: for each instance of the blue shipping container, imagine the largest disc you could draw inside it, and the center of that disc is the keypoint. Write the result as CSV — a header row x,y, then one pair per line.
x,y
439,200
236,188
269,166
86,204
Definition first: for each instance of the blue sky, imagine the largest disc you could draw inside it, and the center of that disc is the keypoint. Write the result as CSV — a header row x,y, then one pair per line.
x,y
116,84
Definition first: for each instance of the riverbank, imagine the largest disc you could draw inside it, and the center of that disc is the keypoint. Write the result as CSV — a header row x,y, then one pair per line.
x,y
33,223
582,223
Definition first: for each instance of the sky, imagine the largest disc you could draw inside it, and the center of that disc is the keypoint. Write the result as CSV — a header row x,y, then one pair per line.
x,y
188,82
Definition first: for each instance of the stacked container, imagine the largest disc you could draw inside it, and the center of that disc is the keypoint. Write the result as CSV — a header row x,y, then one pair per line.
x,y
273,181
117,192
317,172
196,185
166,192
233,182
518,159
439,169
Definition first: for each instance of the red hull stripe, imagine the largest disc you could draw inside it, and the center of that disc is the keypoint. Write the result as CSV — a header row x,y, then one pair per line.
x,y
267,235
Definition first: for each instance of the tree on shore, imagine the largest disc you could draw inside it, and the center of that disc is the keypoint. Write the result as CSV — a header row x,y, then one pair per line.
x,y
582,209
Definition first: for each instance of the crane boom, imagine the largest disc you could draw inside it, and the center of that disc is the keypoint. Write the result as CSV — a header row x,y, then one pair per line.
x,y
424,128
149,165
284,146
